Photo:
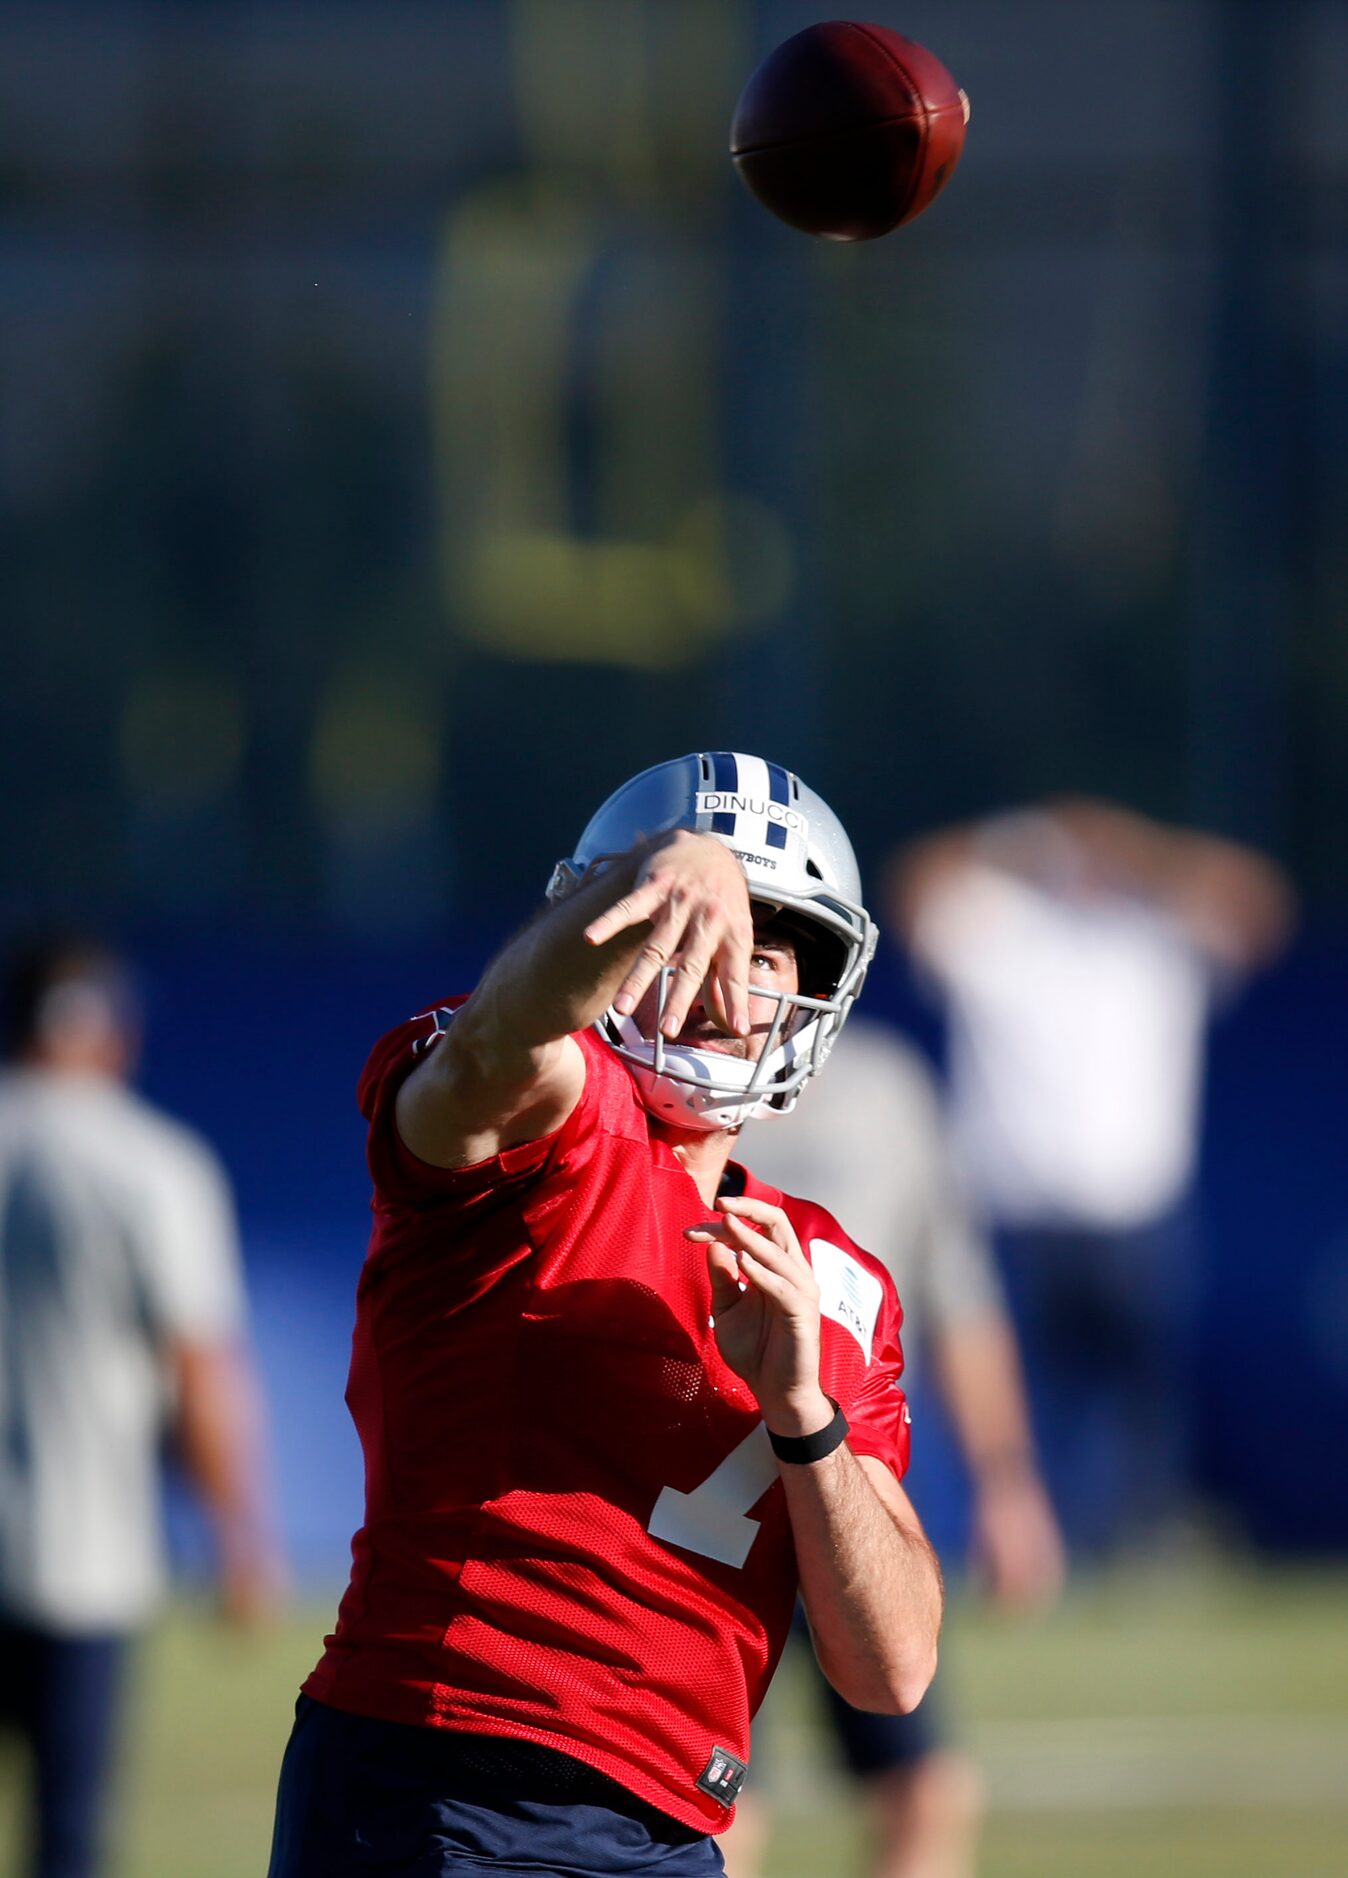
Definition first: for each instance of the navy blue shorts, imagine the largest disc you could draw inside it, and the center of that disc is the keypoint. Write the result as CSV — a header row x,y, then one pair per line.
x,y
360,1797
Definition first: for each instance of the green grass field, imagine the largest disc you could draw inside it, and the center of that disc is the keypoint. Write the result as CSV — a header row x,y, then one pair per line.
x,y
1185,1726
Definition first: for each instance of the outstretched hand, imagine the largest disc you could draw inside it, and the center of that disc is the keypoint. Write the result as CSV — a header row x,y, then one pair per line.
x,y
765,1310
692,890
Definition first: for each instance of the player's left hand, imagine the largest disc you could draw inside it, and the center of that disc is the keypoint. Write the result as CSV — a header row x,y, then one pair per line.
x,y
765,1309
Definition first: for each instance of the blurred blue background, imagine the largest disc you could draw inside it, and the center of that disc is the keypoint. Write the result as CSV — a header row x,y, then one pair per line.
x,y
409,427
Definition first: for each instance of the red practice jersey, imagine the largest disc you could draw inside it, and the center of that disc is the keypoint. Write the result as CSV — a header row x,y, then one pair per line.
x,y
575,1532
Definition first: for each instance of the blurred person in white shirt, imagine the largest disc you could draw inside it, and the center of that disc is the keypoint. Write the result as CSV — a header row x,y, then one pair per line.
x,y
121,1321
1080,951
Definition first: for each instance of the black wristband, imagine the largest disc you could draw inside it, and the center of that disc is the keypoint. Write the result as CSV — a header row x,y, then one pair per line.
x,y
801,1449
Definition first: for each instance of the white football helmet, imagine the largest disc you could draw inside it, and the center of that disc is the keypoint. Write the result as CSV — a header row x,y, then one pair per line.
x,y
797,860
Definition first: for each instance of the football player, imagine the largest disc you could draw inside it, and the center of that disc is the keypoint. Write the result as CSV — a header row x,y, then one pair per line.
x,y
617,1398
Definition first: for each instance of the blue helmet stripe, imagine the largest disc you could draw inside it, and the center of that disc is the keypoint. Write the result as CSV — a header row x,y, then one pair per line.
x,y
776,835
779,788
725,773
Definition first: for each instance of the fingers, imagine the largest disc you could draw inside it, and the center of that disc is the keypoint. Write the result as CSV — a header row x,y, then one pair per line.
x,y
734,1270
699,930
771,1219
782,1288
707,956
728,981
727,1287
642,903
779,1270
728,1002
777,1239
674,942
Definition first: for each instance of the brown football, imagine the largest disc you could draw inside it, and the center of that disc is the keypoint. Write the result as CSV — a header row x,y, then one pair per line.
x,y
848,130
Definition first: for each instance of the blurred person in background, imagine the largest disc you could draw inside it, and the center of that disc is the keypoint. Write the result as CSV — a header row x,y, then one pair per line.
x,y
121,1314
868,1138
1080,951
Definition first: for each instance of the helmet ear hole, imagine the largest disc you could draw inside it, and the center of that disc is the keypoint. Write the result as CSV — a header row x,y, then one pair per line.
x,y
820,958
821,964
